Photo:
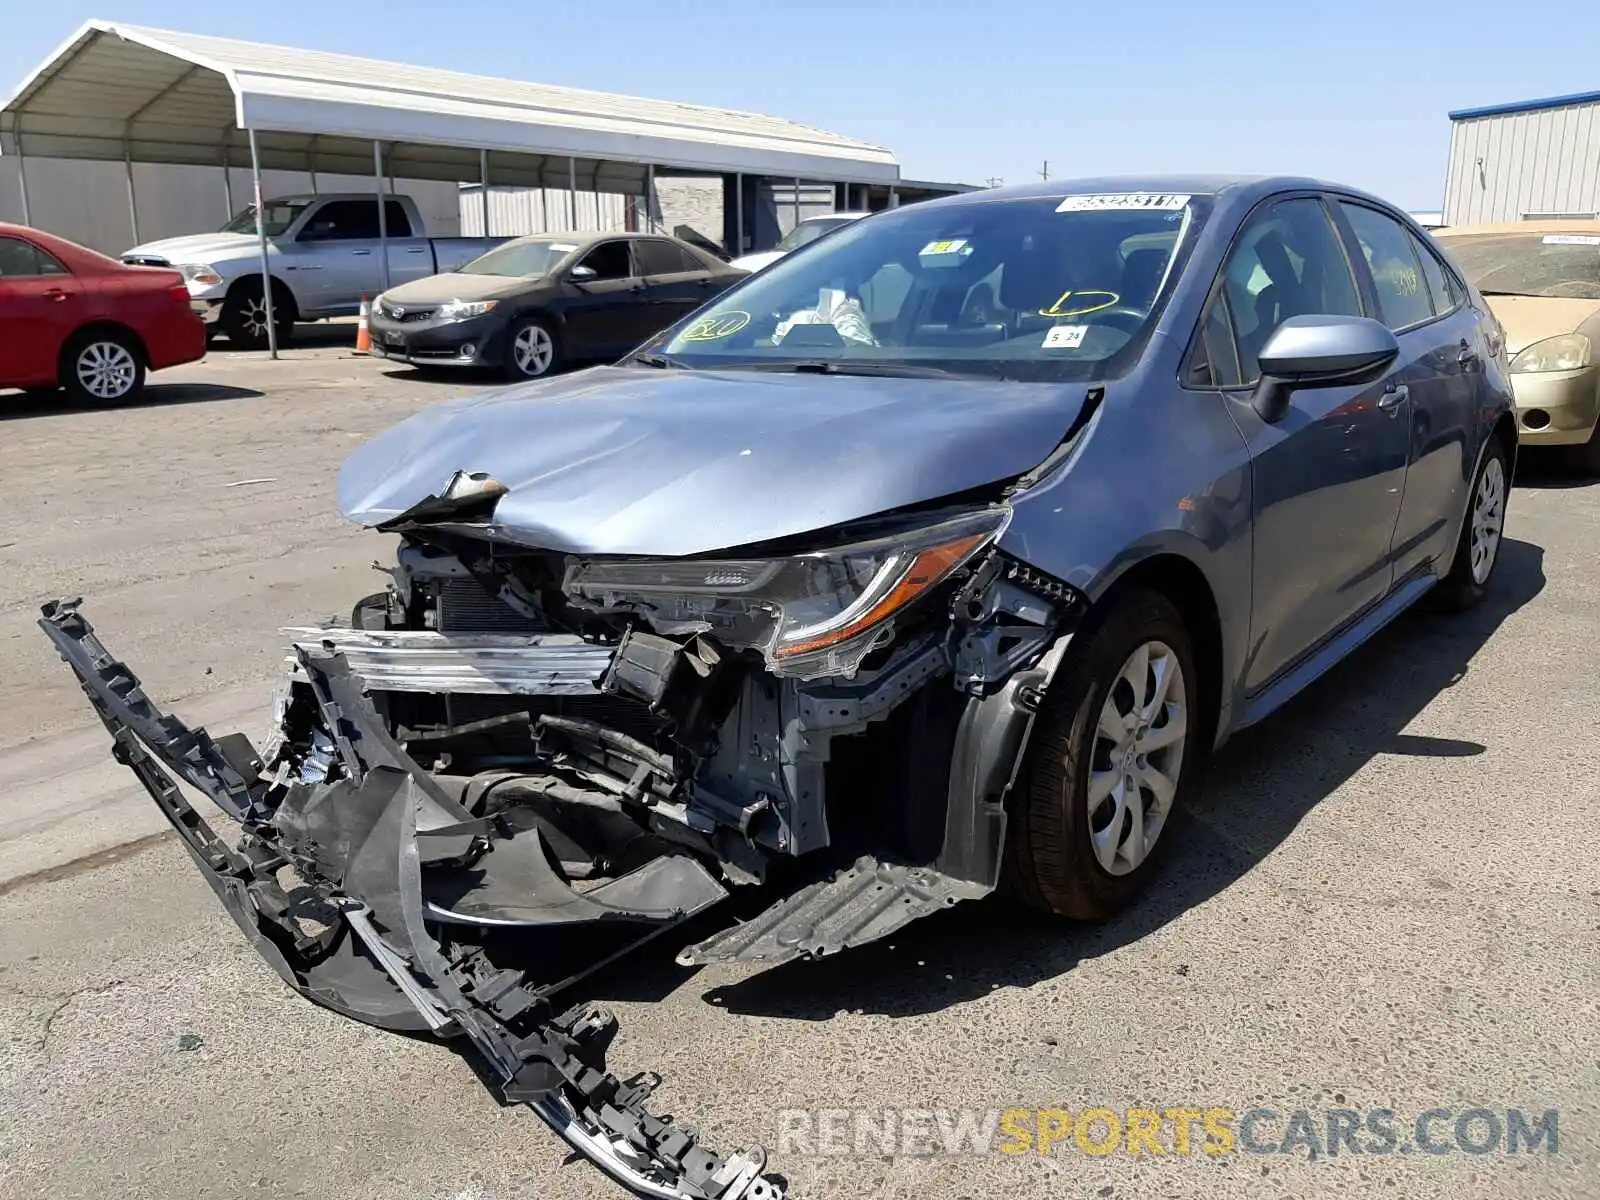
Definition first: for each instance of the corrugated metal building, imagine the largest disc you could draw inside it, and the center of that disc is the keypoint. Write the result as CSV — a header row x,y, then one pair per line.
x,y
1535,158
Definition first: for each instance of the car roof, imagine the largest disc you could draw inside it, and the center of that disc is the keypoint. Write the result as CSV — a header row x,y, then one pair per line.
x,y
308,197
1247,188
589,237
1580,225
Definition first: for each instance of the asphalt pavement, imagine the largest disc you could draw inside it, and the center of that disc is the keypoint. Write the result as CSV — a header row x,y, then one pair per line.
x,y
1386,899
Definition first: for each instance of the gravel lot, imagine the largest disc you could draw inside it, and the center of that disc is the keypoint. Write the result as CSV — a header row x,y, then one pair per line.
x,y
1388,896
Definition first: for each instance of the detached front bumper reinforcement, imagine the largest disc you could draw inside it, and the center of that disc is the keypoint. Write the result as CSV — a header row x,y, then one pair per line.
x,y
354,935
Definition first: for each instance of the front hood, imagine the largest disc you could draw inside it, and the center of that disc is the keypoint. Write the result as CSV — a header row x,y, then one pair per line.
x,y
1530,319
436,289
198,248
632,460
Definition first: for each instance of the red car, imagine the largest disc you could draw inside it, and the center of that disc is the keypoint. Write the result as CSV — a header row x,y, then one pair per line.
x,y
75,319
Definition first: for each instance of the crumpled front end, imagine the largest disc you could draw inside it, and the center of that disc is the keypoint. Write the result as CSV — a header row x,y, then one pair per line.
x,y
514,766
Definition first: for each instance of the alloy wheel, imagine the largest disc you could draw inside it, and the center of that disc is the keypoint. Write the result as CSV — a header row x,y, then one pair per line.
x,y
107,370
1137,757
1488,519
253,316
532,350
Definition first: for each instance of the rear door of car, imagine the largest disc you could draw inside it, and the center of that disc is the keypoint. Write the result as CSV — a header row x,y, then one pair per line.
x,y
41,305
675,283
1328,477
1440,367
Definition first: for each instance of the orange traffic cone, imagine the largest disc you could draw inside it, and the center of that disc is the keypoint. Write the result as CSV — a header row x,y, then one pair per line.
x,y
363,337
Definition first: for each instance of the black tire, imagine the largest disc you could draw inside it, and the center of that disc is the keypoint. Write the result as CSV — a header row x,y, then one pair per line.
x,y
520,360
1465,586
102,366
1051,862
244,316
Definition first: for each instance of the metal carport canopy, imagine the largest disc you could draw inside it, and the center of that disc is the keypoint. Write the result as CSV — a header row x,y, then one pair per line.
x,y
123,92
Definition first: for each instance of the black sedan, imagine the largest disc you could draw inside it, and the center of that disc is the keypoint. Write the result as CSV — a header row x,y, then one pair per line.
x,y
535,303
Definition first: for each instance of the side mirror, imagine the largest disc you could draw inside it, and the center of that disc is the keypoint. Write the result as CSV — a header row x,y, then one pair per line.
x,y
582,274
1320,351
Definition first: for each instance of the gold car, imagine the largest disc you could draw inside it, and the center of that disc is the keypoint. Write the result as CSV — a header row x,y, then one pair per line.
x,y
1542,279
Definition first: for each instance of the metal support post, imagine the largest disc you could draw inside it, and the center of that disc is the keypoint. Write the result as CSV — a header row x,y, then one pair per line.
x,y
261,236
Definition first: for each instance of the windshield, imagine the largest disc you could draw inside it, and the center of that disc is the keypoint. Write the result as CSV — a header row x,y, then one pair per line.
x,y
1039,289
1553,265
279,215
520,259
810,230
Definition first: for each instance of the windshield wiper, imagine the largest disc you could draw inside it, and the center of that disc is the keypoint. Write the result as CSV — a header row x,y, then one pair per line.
x,y
660,361
830,366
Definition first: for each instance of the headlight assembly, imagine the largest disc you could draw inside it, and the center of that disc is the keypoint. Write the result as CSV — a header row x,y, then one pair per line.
x,y
1562,353
818,613
460,310
202,273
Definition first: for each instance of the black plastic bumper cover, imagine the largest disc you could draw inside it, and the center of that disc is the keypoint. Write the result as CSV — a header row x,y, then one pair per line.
x,y
357,939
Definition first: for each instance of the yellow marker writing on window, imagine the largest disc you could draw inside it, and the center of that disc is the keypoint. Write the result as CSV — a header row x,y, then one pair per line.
x,y
1082,305
716,326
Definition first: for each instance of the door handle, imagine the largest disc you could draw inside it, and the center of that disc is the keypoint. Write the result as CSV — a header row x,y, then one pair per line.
x,y
55,294
366,252
414,250
1392,399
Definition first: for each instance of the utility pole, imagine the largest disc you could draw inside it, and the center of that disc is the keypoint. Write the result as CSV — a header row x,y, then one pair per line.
x,y
1044,171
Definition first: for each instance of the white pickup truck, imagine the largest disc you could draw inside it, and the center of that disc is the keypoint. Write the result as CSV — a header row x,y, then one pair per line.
x,y
324,255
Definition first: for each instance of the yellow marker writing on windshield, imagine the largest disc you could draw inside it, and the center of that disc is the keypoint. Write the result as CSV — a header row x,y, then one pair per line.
x,y
717,326
1080,308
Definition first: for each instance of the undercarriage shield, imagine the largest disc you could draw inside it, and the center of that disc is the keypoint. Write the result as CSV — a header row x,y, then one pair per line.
x,y
867,901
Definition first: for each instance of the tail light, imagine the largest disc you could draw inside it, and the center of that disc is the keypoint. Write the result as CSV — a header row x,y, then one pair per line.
x,y
180,293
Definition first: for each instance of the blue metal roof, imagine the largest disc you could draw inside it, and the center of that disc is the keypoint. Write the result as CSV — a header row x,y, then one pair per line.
x,y
1522,106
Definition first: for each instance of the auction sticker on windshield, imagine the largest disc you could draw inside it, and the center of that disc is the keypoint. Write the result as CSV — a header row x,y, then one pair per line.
x,y
1571,239
948,253
1064,337
1124,202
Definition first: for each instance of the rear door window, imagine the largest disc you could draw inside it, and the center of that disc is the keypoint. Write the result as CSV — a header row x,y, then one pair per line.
x,y
21,259
658,257
1440,290
394,217
1397,276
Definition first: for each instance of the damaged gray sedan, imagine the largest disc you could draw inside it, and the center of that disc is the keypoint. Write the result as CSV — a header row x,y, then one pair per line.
x,y
934,559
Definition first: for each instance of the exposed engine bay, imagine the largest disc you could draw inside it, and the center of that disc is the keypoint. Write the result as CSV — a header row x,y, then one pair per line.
x,y
510,744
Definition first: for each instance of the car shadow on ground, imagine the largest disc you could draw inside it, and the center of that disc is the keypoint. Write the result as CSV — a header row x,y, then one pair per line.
x,y
312,335
16,406
481,376
1545,468
1259,788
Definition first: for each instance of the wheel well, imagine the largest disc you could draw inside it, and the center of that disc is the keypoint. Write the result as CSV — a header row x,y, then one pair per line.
x,y
283,301
1186,586
1506,430
101,327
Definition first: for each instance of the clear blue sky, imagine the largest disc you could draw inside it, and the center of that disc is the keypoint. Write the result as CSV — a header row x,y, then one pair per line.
x,y
1354,90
